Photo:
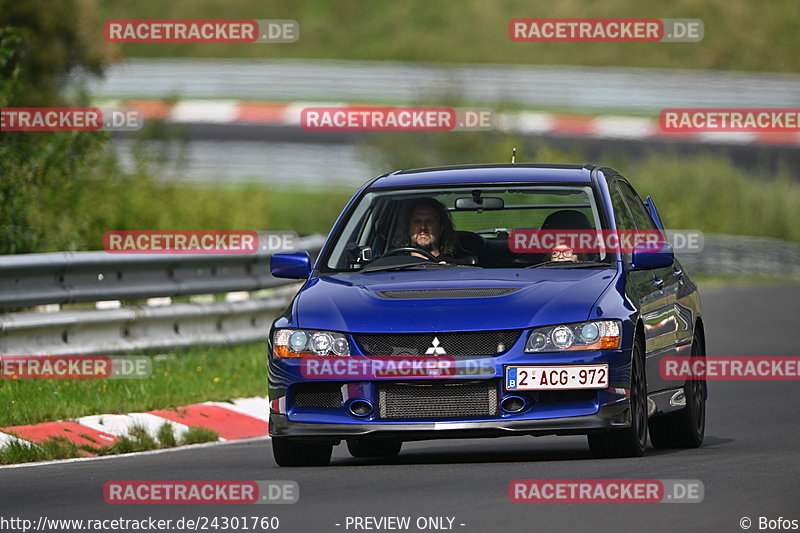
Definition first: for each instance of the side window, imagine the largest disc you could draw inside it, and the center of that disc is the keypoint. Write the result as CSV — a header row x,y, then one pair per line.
x,y
640,216
621,214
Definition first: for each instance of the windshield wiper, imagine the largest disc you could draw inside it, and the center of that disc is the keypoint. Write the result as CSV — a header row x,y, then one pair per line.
x,y
575,264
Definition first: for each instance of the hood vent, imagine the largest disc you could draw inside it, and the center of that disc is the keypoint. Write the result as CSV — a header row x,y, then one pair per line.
x,y
429,294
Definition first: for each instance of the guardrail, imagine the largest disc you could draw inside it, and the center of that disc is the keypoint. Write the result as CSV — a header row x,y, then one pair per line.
x,y
73,277
62,278
68,278
738,254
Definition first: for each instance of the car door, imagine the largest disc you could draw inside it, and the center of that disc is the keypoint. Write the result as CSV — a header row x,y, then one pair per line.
x,y
652,290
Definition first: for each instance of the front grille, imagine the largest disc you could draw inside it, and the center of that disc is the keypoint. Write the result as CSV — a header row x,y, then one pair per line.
x,y
438,399
466,343
429,294
322,395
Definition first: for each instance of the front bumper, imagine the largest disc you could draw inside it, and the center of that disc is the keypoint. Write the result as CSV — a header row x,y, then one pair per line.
x,y
608,417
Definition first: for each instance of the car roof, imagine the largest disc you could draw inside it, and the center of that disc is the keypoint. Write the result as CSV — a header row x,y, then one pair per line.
x,y
483,174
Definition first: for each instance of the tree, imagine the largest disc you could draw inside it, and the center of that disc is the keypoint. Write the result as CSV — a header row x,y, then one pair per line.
x,y
42,45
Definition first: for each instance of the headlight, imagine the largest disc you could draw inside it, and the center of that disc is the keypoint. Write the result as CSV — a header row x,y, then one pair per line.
x,y
309,343
595,335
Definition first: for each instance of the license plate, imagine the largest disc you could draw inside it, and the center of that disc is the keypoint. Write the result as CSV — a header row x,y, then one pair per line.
x,y
556,377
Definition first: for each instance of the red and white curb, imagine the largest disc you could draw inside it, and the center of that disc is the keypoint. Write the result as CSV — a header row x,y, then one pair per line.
x,y
240,419
525,122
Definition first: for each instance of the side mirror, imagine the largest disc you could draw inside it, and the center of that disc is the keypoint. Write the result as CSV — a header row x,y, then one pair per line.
x,y
647,255
293,265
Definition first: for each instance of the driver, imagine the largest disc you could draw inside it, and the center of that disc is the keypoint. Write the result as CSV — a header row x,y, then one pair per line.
x,y
428,226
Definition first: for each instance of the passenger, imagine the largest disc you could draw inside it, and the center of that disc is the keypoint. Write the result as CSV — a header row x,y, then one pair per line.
x,y
563,253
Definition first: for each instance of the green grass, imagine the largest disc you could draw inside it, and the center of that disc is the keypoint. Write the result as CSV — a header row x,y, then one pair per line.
x,y
180,378
198,435
140,203
713,281
739,34
710,193
138,440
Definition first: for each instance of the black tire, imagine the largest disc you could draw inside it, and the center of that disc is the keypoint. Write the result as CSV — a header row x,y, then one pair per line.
x,y
288,452
374,447
630,441
685,428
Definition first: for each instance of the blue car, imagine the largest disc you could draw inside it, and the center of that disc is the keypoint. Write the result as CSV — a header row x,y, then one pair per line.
x,y
462,301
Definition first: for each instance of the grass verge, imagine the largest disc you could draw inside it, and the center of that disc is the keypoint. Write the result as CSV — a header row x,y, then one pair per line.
x,y
138,440
708,281
179,378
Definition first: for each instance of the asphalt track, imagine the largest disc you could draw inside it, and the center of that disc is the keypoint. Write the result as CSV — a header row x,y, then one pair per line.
x,y
749,464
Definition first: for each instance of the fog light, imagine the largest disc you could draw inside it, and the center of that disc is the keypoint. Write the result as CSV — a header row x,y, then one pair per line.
x,y
340,347
537,342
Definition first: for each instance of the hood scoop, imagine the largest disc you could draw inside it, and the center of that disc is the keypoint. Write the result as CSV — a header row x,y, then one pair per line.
x,y
430,294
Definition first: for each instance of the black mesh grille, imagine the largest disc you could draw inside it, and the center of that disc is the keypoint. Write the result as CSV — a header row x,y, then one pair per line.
x,y
325,395
456,344
438,399
428,294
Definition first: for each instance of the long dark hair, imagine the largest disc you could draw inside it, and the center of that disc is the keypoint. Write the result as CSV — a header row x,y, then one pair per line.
x,y
447,232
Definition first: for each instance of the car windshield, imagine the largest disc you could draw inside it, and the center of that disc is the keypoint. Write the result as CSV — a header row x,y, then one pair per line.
x,y
465,227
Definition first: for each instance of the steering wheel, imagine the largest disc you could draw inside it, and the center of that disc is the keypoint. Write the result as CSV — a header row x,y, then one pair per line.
x,y
410,249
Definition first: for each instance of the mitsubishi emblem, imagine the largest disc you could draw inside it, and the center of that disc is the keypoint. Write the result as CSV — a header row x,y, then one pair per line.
x,y
435,349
